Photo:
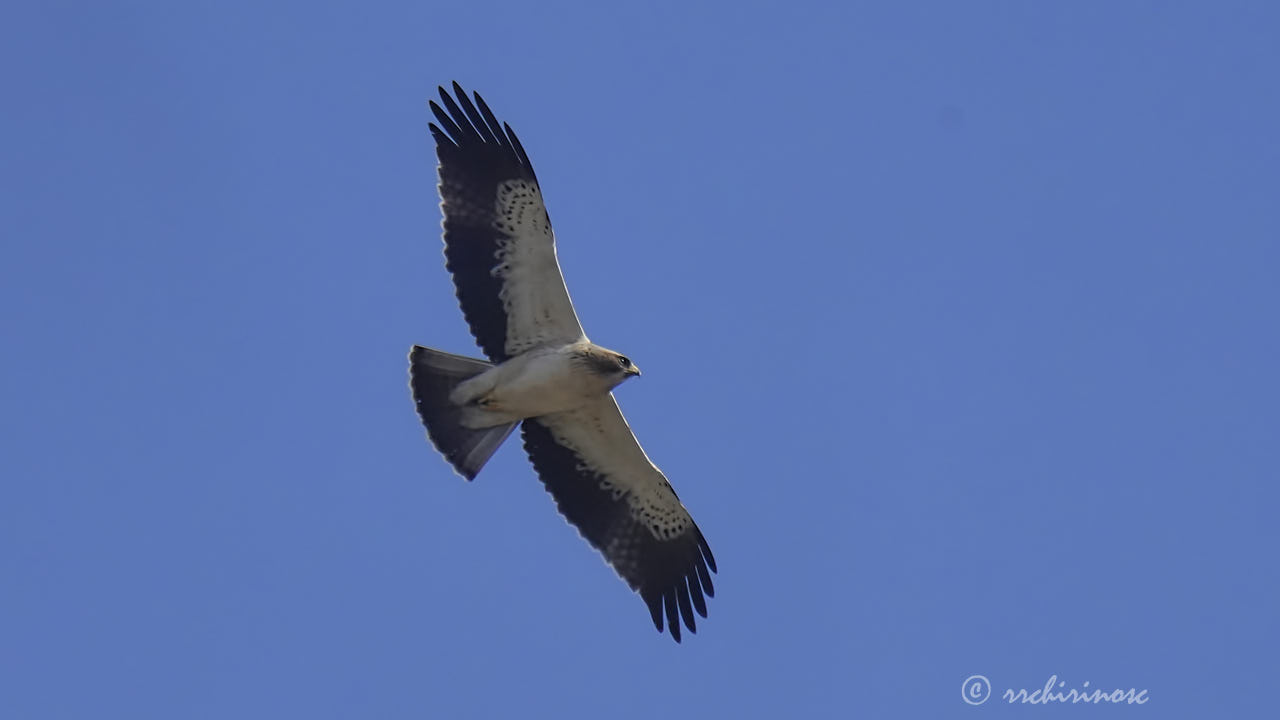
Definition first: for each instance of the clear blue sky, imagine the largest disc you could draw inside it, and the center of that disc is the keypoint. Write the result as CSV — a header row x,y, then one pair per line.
x,y
958,323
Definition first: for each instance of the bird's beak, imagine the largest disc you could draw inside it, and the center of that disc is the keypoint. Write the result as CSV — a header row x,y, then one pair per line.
x,y
635,371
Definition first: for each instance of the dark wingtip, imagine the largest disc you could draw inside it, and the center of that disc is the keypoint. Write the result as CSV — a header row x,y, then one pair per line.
x,y
673,613
655,609
705,578
695,593
706,552
686,610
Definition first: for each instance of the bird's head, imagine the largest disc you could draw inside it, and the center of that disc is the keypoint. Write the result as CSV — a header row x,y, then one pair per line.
x,y
612,367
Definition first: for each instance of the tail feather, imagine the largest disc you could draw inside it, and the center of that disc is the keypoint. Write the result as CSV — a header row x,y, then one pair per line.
x,y
432,376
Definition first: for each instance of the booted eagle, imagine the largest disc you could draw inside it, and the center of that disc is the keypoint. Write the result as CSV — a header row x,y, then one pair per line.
x,y
543,373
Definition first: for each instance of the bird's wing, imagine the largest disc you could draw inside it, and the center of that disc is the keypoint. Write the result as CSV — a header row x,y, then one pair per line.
x,y
623,505
498,242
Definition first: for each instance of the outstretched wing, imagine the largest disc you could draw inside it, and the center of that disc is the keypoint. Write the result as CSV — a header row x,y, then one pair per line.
x,y
498,242
605,485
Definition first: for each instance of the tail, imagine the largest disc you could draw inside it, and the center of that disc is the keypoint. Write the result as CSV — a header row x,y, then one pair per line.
x,y
432,376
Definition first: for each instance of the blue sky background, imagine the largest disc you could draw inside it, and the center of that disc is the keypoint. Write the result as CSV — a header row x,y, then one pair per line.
x,y
958,323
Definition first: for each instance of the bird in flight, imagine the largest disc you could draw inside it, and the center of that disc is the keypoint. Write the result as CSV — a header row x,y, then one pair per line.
x,y
543,373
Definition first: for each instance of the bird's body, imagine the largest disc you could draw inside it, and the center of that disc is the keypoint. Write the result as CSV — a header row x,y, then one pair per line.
x,y
541,381
543,373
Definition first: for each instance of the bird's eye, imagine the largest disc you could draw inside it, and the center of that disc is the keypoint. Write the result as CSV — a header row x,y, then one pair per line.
x,y
624,361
